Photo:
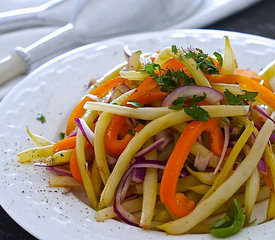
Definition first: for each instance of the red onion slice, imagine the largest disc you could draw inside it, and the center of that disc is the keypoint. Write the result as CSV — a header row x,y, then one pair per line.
x,y
262,166
124,184
212,95
225,146
167,136
54,169
138,175
201,162
263,113
86,131
150,148
127,52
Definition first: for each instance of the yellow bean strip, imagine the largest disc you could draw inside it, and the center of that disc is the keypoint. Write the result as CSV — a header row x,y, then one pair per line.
x,y
32,154
205,208
85,175
99,147
134,75
62,156
151,113
39,140
252,188
227,168
137,142
149,192
130,206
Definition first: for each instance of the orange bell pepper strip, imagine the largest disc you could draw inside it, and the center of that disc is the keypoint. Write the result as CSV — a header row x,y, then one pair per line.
x,y
175,64
114,145
89,154
74,167
177,202
250,74
100,91
249,84
152,97
146,86
64,144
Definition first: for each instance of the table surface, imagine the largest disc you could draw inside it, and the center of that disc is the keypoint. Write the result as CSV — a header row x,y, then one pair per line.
x,y
258,19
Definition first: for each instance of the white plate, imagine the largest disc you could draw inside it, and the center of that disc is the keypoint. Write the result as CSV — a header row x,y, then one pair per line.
x,y
53,90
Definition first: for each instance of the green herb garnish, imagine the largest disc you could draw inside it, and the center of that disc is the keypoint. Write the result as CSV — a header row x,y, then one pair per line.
x,y
131,132
205,63
134,103
40,117
174,49
170,80
178,103
194,111
61,135
219,58
239,98
231,223
142,121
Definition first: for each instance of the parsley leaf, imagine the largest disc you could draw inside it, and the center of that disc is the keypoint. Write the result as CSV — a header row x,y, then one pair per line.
x,y
61,135
134,103
170,80
40,117
205,63
142,121
131,132
174,49
232,99
197,113
194,111
239,98
231,223
178,103
219,58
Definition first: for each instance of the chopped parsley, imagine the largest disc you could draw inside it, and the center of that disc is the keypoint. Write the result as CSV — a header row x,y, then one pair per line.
x,y
194,111
131,132
134,103
170,80
61,135
174,49
219,58
40,117
205,63
239,98
142,121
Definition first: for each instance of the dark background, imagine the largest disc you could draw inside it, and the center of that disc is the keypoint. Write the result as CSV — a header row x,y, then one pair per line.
x,y
258,19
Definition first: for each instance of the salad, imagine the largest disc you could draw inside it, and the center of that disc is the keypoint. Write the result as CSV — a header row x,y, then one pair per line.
x,y
176,141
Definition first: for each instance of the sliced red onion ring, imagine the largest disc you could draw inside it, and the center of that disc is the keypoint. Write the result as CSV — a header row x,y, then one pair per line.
x,y
150,148
272,136
201,162
262,166
73,134
127,52
212,95
117,91
54,169
138,175
225,146
124,184
86,131
263,113
166,135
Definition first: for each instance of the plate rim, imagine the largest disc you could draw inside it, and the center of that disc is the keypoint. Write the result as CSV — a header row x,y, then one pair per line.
x,y
12,214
